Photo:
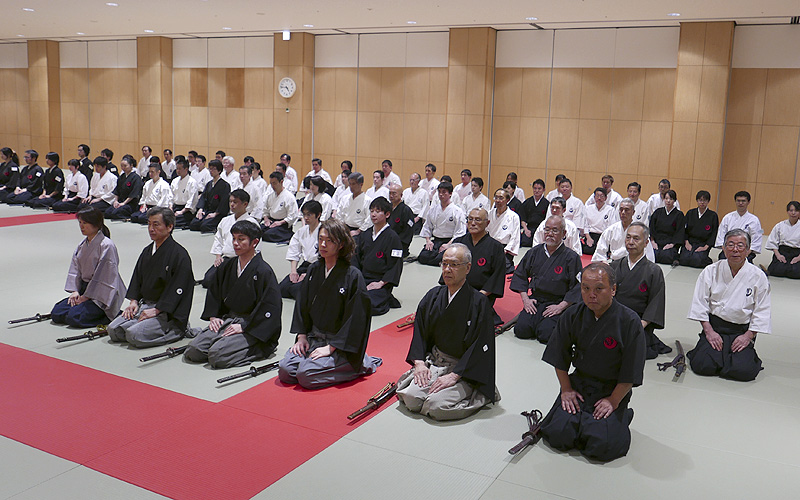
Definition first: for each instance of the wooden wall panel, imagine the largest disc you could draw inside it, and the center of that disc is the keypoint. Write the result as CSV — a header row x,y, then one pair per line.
x,y
536,92
777,158
595,96
592,154
746,99
782,100
624,141
565,101
627,93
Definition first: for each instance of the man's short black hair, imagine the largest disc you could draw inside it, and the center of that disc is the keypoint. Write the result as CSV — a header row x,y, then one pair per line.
x,y
312,207
703,195
539,182
276,175
241,195
166,213
742,194
100,161
107,153
445,185
382,204
247,228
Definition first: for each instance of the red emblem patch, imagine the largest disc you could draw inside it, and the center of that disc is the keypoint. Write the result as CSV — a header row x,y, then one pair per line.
x,y
397,220
216,196
379,255
643,287
558,269
610,343
30,177
129,184
481,262
708,228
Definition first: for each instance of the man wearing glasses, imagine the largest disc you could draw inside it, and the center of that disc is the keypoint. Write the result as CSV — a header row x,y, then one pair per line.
x,y
731,301
452,350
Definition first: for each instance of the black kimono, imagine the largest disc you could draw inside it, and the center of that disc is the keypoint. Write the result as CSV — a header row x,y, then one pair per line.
x,y
700,231
666,228
53,188
642,290
113,169
31,178
331,311
252,300
514,204
380,260
9,178
128,186
86,168
548,281
533,215
402,222
605,352
488,271
215,198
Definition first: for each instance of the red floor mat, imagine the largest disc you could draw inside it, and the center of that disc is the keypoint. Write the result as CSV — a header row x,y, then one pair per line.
x,y
34,219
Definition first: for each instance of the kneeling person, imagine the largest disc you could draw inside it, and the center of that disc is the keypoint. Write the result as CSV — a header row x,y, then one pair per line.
x,y
605,342
379,255
452,349
243,306
160,290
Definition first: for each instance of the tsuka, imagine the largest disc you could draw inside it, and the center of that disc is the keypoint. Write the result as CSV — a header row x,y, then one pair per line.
x,y
527,441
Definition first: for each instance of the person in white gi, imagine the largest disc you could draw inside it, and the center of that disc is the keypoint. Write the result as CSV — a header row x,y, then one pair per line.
x,y
476,199
280,211
741,219
519,193
168,165
255,207
378,187
555,193
101,187
416,197
354,211
641,210
656,200
144,162
611,245
317,171
430,183
574,207
445,222
732,302
317,192
346,166
303,250
465,188
572,238
201,175
222,247
598,216
229,173
289,173
504,227
184,194
784,241
155,193
612,197
389,177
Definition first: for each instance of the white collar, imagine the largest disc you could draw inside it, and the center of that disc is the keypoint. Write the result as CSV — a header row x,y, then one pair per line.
x,y
375,235
631,265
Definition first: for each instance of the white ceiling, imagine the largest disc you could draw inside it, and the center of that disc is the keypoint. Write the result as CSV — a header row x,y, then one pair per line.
x,y
61,19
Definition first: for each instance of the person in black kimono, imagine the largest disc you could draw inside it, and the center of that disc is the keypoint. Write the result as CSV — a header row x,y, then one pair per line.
x,y
605,342
243,307
379,256
128,191
401,219
108,155
533,212
452,351
86,164
9,173
160,289
332,318
53,184
488,272
547,281
213,203
513,203
640,286
702,225
31,181
667,227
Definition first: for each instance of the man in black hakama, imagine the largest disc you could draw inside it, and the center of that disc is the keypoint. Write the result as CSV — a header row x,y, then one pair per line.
x,y
402,218
53,189
640,287
379,256
702,225
31,181
243,307
160,289
605,342
547,281
213,204
128,193
533,212
452,351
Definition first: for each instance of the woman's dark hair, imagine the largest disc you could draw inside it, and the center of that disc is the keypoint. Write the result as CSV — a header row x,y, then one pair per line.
x,y
53,157
10,154
319,182
74,163
130,160
672,194
93,216
795,204
340,235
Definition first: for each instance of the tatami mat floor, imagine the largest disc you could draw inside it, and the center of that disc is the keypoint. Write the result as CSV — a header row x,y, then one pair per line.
x,y
692,438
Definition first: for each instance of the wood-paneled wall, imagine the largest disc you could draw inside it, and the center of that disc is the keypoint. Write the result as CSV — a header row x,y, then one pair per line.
x,y
15,125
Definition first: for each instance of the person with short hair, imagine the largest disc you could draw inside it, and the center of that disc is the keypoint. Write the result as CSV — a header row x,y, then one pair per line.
x,y
504,226
280,211
316,192
200,173
160,290
475,199
9,173
418,201
573,208
342,190
229,173
612,197
332,318
341,181
555,193
213,203
101,186
640,286
668,230
378,187
223,248
604,341
641,209
657,200
401,220
611,245
784,241
168,166
732,303
430,183
184,194
354,210
741,218
379,257
155,193
546,280
572,237
302,250
599,216
255,207
53,188
513,203
534,211
144,162
452,351
317,171
465,188
290,174
127,193
389,177
701,233
85,163
519,193
243,305
93,281
76,188
31,181
109,155
444,223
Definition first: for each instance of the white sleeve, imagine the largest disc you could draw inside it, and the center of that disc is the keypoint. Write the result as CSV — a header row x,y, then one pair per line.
x,y
701,299
756,236
774,240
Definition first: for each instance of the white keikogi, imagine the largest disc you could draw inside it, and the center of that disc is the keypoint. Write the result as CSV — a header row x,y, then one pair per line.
x,y
430,186
339,195
612,198
463,190
168,167
417,201
741,299
470,203
322,173
324,199
572,239
185,192
156,194
201,177
143,166
747,222
598,221
255,206
613,239
304,246
281,207
354,212
784,234
553,194
448,223
391,178
641,212
574,212
373,193
656,201
76,183
519,194
505,229
223,239
232,178
290,179
103,187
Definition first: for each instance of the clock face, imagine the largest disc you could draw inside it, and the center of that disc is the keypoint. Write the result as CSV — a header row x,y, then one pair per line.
x,y
286,87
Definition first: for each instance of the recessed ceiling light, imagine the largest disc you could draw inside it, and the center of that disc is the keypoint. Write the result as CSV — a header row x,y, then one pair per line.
x,y
411,22
308,26
674,14
27,9
531,18
80,33
112,4
148,31
226,28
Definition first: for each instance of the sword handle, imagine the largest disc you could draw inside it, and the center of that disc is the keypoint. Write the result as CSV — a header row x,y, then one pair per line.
x,y
526,441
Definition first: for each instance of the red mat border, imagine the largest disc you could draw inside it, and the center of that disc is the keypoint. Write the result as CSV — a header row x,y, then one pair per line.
x,y
21,220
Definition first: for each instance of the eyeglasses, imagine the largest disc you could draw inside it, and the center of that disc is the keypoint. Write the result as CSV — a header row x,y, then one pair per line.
x,y
737,246
452,265
551,230
474,219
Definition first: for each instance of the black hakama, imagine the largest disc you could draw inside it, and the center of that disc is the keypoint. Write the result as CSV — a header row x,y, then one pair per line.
x,y
128,186
700,231
533,215
705,360
433,257
53,188
31,178
785,269
215,198
380,260
666,228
